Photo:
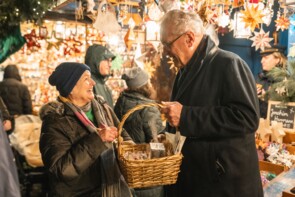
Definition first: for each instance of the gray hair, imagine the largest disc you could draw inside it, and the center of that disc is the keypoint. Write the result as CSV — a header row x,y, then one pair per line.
x,y
177,22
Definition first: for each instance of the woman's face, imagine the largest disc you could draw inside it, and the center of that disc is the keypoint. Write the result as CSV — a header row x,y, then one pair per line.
x,y
82,93
105,67
268,62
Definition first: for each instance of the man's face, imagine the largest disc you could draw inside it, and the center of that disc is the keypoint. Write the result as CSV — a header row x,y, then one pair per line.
x,y
105,67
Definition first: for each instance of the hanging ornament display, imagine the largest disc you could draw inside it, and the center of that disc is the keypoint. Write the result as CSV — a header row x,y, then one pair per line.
x,y
106,19
223,20
129,39
149,68
154,12
131,23
167,5
261,40
238,3
32,40
171,62
72,45
90,6
123,12
282,23
138,56
53,41
79,11
268,14
240,31
252,16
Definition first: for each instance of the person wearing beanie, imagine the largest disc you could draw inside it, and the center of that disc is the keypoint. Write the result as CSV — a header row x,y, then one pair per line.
x,y
99,59
143,125
76,133
270,58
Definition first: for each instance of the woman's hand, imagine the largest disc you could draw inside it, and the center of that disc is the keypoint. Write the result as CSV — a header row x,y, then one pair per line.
x,y
107,134
260,90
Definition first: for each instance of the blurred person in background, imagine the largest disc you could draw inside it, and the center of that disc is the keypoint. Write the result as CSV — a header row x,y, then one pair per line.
x,y
14,93
99,59
9,182
270,58
143,125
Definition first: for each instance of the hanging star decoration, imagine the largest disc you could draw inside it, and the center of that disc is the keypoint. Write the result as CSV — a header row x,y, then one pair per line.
x,y
53,41
284,87
172,64
261,40
281,91
282,23
72,45
252,16
149,68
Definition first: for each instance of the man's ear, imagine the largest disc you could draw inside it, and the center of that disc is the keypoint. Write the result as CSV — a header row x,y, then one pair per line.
x,y
190,38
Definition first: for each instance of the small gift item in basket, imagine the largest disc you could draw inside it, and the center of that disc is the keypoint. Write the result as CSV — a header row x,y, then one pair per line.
x,y
157,150
162,170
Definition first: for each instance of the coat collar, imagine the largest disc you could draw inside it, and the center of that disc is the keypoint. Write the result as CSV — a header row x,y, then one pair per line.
x,y
194,66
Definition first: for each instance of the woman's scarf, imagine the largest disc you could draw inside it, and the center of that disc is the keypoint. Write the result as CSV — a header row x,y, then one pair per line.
x,y
113,182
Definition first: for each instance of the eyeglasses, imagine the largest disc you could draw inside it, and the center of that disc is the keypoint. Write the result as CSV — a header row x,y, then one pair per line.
x,y
169,44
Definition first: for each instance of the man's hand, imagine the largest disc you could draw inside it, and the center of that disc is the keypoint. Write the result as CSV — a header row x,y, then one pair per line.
x,y
7,125
172,111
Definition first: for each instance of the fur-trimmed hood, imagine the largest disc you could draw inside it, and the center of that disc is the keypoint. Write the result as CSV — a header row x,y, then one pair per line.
x,y
53,107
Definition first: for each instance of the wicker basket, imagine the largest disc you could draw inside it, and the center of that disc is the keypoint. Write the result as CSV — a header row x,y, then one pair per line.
x,y
149,172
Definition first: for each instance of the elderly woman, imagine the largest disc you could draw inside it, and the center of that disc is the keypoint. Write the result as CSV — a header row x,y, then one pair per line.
x,y
76,136
271,58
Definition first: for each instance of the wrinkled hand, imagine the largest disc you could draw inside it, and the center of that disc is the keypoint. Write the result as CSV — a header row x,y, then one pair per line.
x,y
108,134
172,111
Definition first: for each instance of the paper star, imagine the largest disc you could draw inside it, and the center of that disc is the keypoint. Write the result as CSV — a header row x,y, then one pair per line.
x,y
281,90
282,23
252,17
261,40
137,56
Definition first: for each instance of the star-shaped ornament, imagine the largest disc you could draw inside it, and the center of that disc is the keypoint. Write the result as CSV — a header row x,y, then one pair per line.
x,y
282,23
252,16
261,40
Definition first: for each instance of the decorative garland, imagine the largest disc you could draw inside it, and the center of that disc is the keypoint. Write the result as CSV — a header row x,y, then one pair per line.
x,y
13,12
284,88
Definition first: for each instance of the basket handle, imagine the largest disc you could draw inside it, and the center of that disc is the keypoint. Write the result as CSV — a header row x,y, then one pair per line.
x,y
129,112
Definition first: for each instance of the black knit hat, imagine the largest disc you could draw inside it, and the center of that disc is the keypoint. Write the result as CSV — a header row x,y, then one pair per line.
x,y
135,77
66,75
